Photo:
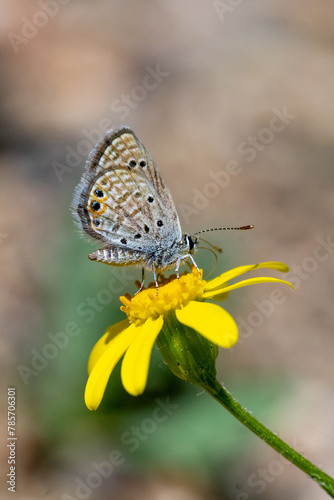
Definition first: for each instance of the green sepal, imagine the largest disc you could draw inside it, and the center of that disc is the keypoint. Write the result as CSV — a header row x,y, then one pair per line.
x,y
189,355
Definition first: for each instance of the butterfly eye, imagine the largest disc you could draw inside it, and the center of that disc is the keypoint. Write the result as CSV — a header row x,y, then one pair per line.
x,y
142,163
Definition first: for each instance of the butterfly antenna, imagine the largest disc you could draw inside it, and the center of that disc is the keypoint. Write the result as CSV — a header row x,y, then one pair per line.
x,y
241,228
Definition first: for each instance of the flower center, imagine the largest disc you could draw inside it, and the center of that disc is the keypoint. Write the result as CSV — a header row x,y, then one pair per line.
x,y
173,294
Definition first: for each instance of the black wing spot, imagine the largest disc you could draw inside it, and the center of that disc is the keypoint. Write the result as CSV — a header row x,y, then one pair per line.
x,y
150,199
99,193
132,163
142,163
124,241
160,223
97,222
138,194
147,229
95,206
137,236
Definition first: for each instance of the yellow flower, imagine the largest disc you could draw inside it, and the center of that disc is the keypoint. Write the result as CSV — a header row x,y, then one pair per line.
x,y
178,307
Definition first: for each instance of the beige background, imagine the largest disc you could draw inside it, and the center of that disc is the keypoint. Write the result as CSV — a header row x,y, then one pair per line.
x,y
228,72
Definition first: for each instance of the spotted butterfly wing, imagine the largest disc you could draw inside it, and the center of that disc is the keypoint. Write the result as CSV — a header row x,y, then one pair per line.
x,y
122,201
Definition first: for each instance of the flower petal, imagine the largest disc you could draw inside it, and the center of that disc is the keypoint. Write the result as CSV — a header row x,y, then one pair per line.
x,y
102,345
237,271
98,379
211,321
252,281
136,361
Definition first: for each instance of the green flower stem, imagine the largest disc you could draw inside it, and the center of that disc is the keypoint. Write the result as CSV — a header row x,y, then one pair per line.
x,y
225,399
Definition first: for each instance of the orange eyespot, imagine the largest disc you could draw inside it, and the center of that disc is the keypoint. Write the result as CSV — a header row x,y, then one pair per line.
x,y
99,193
96,207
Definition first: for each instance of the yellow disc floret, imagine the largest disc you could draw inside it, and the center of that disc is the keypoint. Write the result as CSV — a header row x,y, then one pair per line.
x,y
173,294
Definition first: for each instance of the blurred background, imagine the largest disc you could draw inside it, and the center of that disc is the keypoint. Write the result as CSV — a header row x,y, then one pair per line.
x,y
234,102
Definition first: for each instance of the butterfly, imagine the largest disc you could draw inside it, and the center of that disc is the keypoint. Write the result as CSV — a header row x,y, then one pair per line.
x,y
123,202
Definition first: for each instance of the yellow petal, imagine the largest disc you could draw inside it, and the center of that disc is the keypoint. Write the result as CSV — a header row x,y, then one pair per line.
x,y
102,345
98,379
136,361
220,292
211,321
237,271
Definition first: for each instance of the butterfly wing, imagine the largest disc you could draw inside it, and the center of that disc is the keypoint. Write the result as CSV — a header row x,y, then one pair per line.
x,y
122,199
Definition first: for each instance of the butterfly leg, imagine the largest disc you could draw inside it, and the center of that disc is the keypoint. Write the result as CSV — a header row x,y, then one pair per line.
x,y
178,262
155,279
192,260
142,281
